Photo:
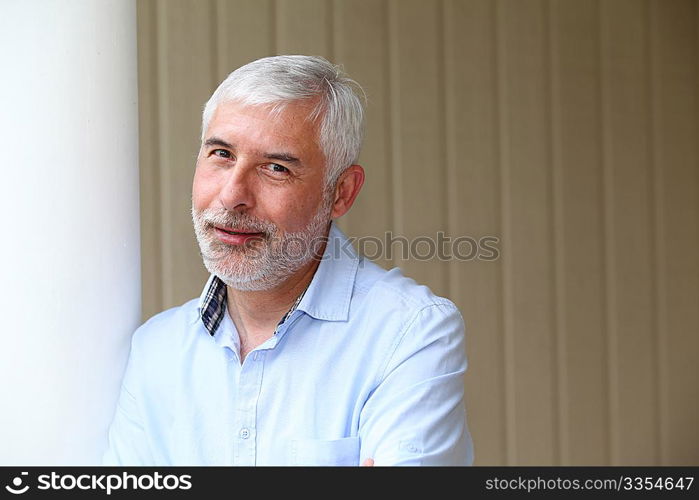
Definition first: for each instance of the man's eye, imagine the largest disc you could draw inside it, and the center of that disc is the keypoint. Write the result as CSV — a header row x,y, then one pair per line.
x,y
277,168
222,153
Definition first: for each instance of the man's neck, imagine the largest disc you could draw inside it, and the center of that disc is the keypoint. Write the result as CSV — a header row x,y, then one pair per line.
x,y
257,313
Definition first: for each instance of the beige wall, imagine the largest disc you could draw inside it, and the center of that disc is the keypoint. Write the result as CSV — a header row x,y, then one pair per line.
x,y
566,128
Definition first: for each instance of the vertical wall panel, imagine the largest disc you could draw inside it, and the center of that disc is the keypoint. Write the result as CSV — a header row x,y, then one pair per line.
x,y
417,133
245,31
579,210
628,200
473,184
527,234
674,79
365,58
186,77
304,27
149,160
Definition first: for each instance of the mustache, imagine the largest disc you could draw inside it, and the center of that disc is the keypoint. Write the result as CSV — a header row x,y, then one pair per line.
x,y
238,220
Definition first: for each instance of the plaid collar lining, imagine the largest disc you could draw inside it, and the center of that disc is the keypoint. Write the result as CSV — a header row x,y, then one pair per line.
x,y
214,305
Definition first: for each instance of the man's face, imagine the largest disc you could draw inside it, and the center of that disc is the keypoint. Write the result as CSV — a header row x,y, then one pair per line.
x,y
258,194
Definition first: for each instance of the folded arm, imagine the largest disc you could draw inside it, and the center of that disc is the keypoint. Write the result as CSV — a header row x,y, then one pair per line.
x,y
416,415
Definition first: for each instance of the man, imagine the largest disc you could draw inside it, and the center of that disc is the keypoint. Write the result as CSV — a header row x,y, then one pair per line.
x,y
298,352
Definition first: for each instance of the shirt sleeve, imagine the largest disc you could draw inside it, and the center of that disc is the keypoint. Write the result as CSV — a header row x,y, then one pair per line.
x,y
128,443
416,414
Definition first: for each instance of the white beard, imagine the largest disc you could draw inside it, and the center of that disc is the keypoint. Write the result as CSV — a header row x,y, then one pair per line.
x,y
263,263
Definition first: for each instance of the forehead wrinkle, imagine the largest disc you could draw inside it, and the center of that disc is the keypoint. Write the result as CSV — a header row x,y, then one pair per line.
x,y
233,121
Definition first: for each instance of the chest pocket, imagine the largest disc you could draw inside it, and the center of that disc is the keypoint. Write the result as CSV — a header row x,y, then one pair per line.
x,y
343,451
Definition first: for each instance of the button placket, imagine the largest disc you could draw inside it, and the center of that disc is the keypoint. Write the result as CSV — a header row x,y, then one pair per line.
x,y
248,393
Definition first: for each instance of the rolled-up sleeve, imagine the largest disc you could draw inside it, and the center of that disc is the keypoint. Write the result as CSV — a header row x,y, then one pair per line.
x,y
416,414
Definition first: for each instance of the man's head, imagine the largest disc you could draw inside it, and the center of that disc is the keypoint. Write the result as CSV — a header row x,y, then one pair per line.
x,y
280,141
280,80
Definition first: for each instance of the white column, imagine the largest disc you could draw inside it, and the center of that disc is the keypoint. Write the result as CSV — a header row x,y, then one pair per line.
x,y
69,251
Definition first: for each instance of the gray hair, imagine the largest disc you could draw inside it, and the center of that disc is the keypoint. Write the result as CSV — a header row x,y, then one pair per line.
x,y
279,80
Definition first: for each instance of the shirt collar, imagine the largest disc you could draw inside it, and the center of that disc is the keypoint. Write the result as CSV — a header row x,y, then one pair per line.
x,y
330,292
326,298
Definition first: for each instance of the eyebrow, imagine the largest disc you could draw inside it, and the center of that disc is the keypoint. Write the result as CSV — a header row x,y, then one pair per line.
x,y
215,141
285,157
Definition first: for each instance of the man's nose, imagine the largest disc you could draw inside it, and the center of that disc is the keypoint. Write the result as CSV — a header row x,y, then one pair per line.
x,y
237,191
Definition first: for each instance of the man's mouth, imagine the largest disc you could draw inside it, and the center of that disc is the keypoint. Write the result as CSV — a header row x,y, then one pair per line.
x,y
232,231
235,230
236,236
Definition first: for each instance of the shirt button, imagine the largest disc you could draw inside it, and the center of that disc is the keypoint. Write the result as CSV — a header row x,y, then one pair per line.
x,y
244,433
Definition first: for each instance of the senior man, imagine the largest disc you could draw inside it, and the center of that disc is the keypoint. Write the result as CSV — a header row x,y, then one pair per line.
x,y
297,352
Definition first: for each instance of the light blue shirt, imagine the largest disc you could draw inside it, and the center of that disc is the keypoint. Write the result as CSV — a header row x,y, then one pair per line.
x,y
369,365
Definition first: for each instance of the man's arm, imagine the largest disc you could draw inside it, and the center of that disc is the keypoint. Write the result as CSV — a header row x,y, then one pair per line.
x,y
416,415
128,443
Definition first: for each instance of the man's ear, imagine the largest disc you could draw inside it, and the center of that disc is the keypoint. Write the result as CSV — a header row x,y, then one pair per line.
x,y
347,189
